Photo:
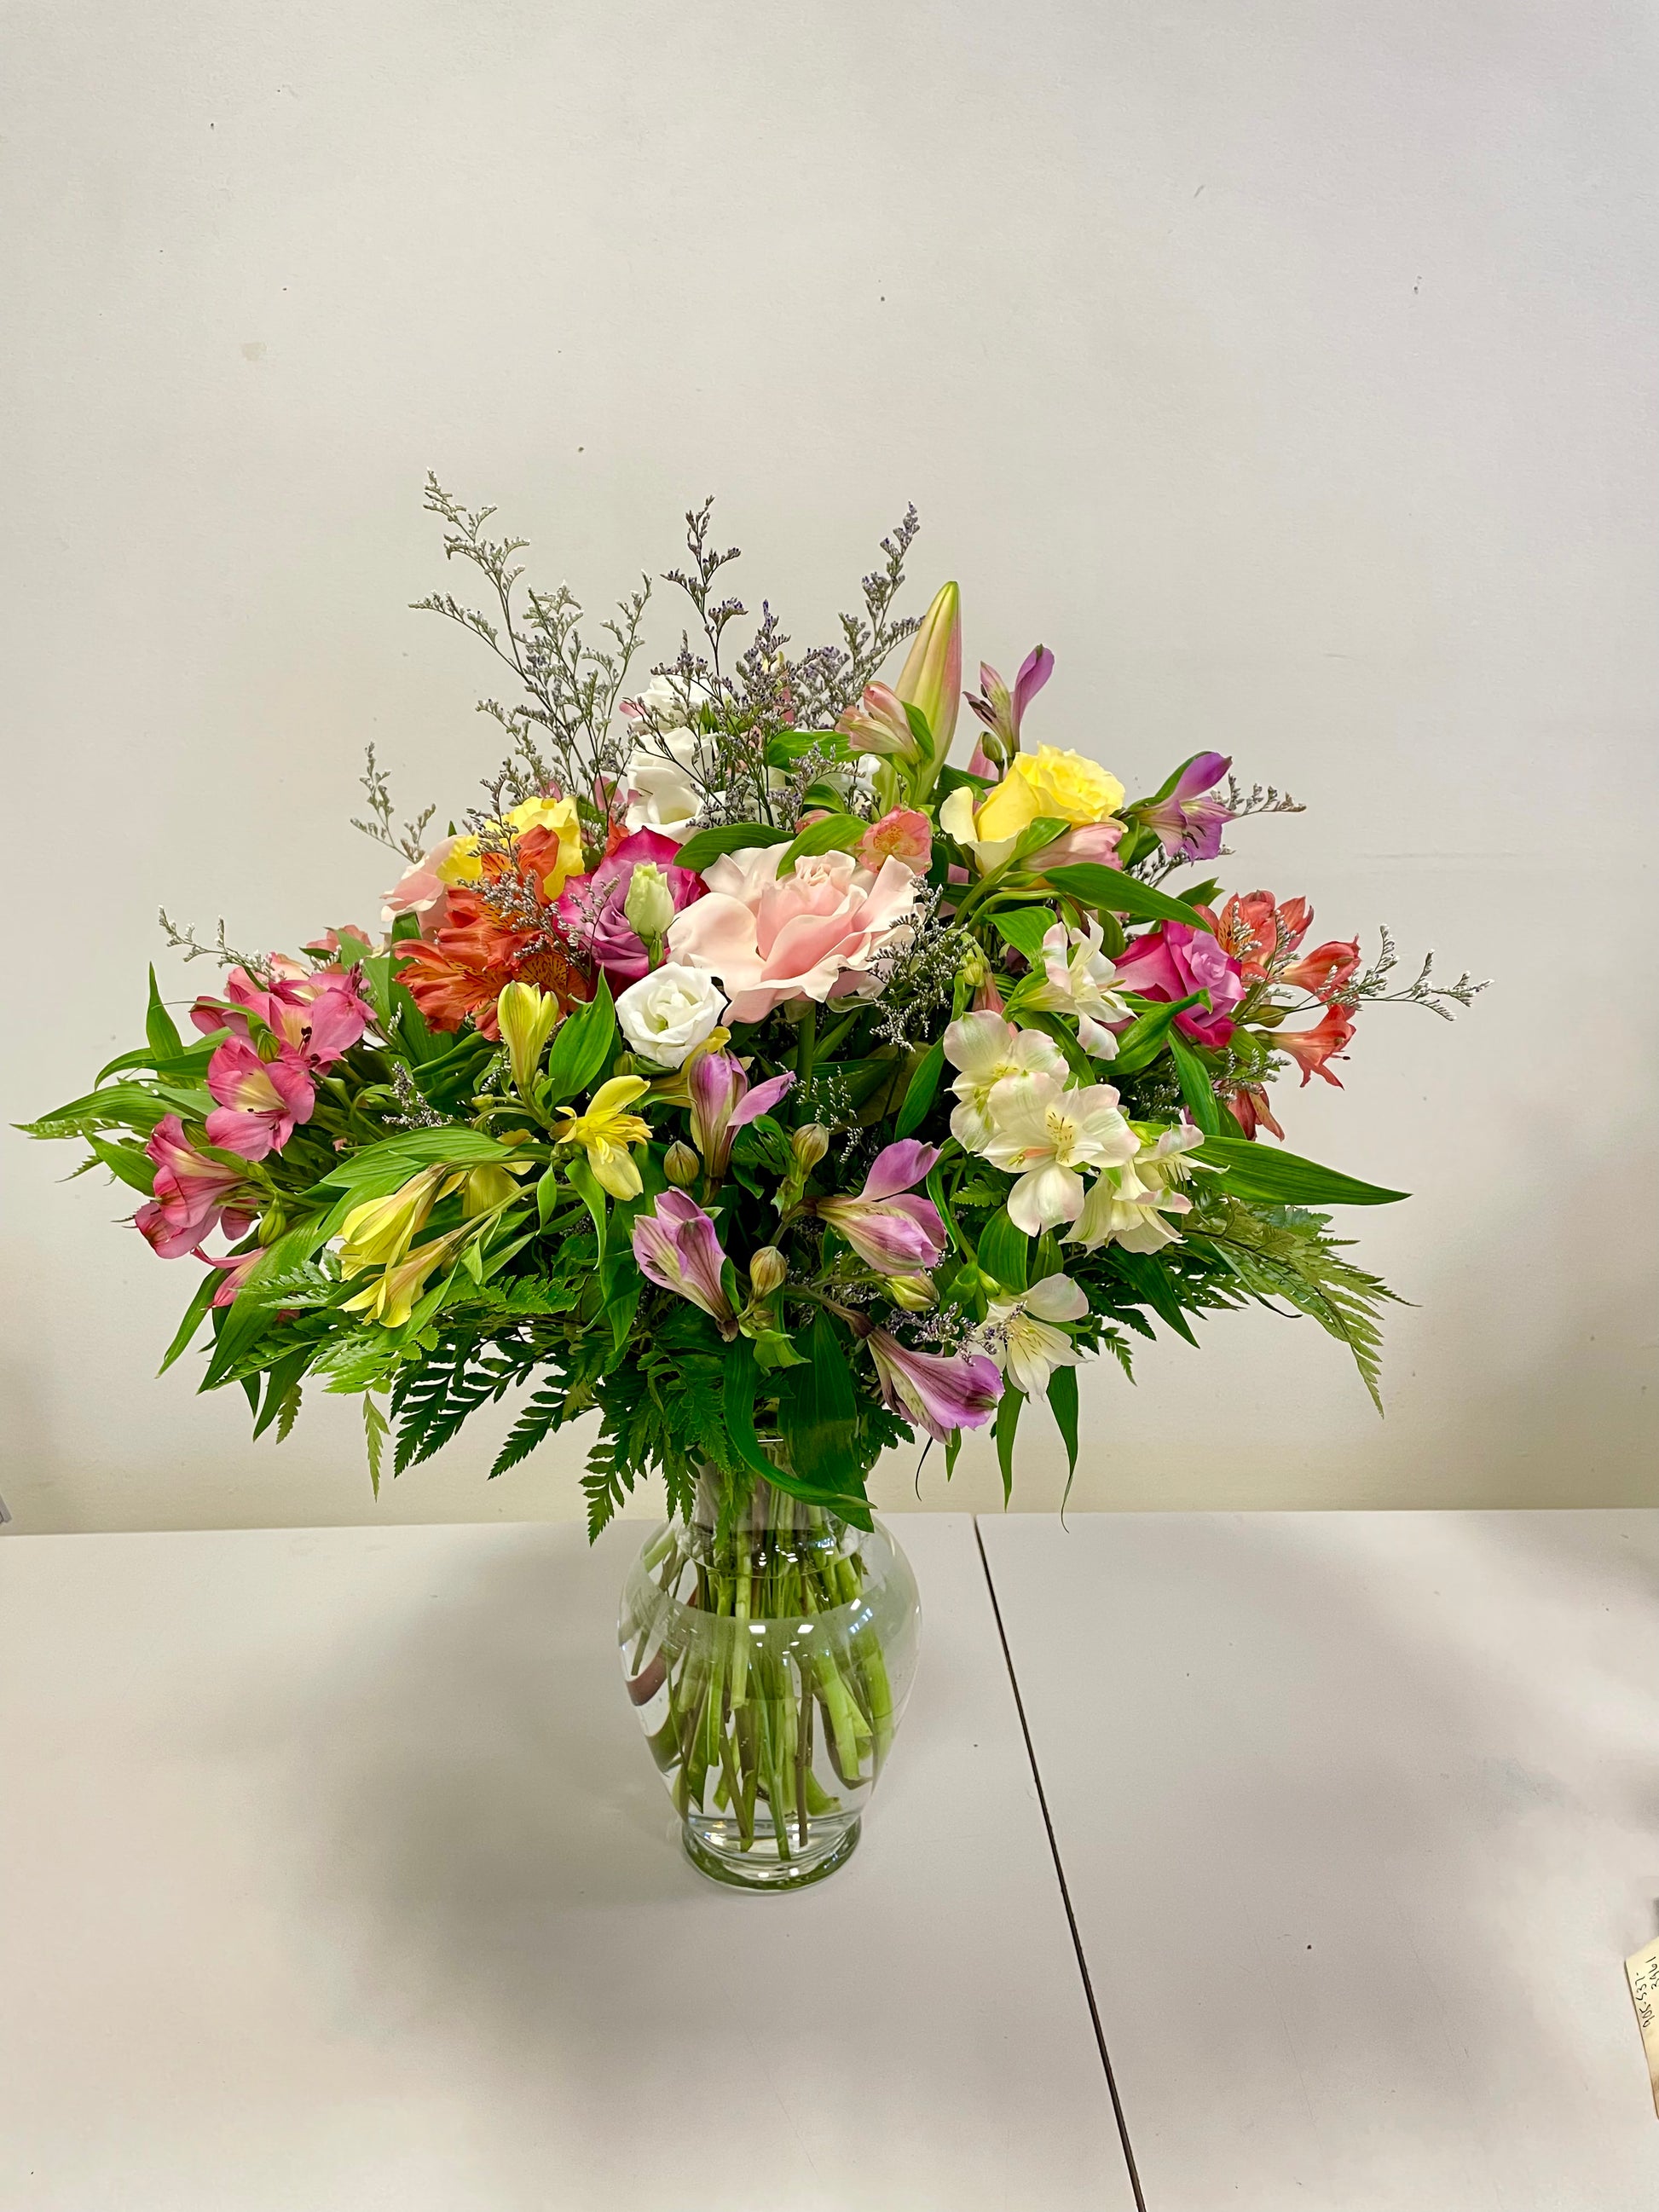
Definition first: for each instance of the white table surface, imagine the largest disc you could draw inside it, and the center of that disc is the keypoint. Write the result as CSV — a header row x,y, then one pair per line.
x,y
334,1875
1359,1816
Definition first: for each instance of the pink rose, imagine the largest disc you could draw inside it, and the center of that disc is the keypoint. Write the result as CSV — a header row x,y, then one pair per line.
x,y
1174,959
813,933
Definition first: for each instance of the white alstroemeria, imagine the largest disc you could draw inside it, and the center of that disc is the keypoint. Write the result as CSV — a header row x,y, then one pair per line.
x,y
1045,1135
1020,1335
669,1012
1078,979
986,1048
1130,1205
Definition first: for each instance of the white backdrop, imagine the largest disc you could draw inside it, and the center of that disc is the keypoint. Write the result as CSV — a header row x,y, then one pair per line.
x,y
1288,369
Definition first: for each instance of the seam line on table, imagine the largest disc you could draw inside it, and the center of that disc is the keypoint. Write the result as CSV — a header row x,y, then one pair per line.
x,y
1059,1876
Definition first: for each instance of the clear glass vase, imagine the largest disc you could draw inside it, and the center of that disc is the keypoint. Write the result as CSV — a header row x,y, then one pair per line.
x,y
770,1666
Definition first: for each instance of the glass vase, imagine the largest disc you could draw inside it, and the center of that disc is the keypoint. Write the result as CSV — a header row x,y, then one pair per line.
x,y
770,1664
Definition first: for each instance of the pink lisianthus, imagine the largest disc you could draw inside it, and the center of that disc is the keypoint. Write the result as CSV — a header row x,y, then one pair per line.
x,y
892,1230
722,1103
938,1391
1175,959
590,909
192,1194
813,933
260,1101
902,835
677,1247
1184,818
1311,1048
319,1014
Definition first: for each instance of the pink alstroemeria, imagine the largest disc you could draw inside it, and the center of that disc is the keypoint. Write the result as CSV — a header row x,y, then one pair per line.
x,y
1325,969
1311,1048
677,1246
1183,819
319,1014
937,1391
893,1232
235,1269
722,1103
1003,710
902,835
591,908
259,1100
879,724
1175,959
192,1194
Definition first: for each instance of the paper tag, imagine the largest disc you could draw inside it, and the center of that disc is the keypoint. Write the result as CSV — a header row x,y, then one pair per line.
x,y
1642,1972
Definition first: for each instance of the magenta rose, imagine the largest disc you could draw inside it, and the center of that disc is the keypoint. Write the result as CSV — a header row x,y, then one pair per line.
x,y
1175,959
591,909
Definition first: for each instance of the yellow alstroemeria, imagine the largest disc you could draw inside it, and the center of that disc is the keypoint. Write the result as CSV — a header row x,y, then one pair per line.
x,y
526,1018
605,1131
379,1233
464,863
1048,785
393,1296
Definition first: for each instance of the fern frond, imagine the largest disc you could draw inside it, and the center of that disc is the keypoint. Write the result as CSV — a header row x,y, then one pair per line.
x,y
1282,1253
376,1431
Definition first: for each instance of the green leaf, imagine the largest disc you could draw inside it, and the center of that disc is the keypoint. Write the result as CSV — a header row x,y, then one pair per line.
x,y
818,1412
589,1187
374,1436
382,1168
1152,1285
281,1383
832,833
706,845
194,1313
1148,1034
547,1197
117,1106
160,1028
922,1090
1034,837
581,1046
1262,1171
1094,885
1024,927
248,1319
1196,1087
737,1407
1005,1251
1009,1406
128,1163
1062,1404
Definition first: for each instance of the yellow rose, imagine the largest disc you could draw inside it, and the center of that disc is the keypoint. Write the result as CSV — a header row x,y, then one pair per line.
x,y
1048,785
465,864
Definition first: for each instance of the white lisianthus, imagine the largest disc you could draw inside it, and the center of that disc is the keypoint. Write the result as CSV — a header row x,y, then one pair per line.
x,y
1130,1205
1020,1335
669,1012
1046,1135
668,773
985,1048
1078,979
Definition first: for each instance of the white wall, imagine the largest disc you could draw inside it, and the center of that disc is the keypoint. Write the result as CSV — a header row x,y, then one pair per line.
x,y
1288,368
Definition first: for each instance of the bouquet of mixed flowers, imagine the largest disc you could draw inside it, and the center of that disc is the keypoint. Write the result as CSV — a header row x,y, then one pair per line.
x,y
744,1072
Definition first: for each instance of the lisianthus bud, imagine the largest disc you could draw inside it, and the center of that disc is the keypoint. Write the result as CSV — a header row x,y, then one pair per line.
x,y
808,1146
681,1164
649,903
768,1270
916,1294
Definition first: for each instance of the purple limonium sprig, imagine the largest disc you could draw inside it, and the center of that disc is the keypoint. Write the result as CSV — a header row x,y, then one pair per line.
x,y
895,1233
677,1247
1183,819
938,1391
722,1103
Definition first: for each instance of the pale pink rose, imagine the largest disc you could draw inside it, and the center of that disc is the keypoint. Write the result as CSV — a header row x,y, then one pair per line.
x,y
812,934
418,890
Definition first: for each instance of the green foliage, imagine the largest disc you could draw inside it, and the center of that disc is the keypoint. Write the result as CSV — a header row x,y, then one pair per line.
x,y
1280,1178
1116,892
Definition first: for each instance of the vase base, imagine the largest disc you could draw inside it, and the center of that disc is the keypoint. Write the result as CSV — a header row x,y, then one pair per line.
x,y
715,1848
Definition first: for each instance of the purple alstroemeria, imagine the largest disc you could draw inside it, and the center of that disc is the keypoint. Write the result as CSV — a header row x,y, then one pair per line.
x,y
1002,710
722,1101
1183,819
891,1232
938,1391
677,1246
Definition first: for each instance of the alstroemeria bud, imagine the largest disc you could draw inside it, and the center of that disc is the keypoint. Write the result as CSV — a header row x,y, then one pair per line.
x,y
916,1294
648,906
808,1146
681,1164
526,1018
768,1271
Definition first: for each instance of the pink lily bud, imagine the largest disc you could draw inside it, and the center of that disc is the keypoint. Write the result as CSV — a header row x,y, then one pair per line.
x,y
931,678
